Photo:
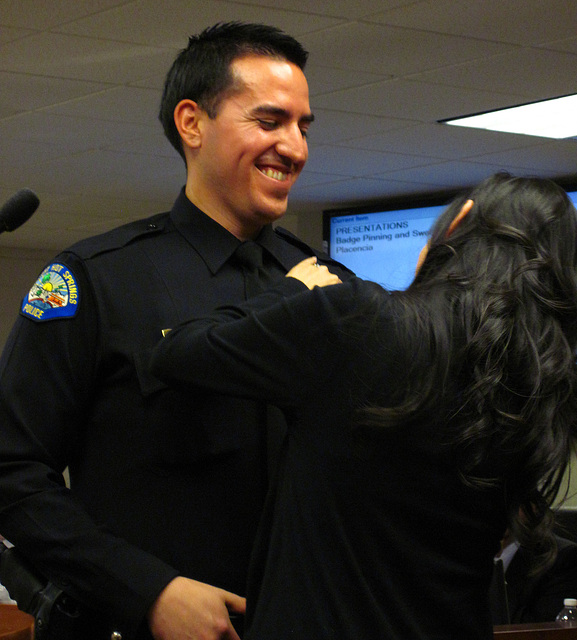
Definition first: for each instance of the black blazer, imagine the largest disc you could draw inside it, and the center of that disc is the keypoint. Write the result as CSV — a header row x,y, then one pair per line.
x,y
537,598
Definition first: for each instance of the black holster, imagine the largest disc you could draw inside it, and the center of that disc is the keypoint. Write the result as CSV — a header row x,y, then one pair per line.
x,y
56,615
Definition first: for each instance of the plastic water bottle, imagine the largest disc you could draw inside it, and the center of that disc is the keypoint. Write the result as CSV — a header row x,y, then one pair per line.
x,y
568,614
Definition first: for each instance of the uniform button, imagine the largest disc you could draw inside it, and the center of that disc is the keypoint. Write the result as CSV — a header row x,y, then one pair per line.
x,y
152,226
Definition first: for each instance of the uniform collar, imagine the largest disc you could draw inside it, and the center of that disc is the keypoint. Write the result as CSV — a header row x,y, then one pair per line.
x,y
213,242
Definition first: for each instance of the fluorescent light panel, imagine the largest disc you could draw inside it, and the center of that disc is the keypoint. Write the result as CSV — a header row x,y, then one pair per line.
x,y
555,118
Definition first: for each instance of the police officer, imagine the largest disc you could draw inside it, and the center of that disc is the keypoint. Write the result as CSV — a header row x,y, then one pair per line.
x,y
166,487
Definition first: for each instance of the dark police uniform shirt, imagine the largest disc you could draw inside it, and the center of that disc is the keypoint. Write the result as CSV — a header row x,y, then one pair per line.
x,y
370,535
163,483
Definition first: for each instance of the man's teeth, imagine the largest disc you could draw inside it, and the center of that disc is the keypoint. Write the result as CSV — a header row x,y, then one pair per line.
x,y
273,173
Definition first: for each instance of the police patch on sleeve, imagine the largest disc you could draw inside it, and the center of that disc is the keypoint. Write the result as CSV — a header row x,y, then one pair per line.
x,y
54,295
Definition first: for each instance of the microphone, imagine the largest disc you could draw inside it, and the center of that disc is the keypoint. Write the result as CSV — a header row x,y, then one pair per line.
x,y
18,209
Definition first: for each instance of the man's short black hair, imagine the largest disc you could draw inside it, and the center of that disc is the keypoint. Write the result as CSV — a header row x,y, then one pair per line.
x,y
201,72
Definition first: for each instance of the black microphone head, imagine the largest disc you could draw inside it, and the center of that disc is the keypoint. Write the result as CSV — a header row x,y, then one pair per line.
x,y
18,209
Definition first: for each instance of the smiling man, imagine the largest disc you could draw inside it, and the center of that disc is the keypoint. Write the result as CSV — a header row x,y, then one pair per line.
x,y
243,162
154,536
244,146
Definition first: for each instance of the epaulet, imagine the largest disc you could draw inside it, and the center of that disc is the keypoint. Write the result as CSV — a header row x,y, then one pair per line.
x,y
120,236
286,235
289,237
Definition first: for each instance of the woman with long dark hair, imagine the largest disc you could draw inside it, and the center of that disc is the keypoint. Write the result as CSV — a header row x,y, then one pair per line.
x,y
421,423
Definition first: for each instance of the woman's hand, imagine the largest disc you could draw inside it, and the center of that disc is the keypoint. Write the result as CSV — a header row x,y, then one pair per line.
x,y
312,274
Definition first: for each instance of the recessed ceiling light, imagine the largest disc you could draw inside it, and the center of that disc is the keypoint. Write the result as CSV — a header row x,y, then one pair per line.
x,y
554,118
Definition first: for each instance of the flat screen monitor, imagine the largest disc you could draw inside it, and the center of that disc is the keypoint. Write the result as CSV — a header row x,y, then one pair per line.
x,y
383,244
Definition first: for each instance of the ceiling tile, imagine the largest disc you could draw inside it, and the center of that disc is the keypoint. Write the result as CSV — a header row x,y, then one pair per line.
x,y
331,126
522,22
168,23
323,79
509,74
91,59
422,101
343,161
553,157
23,92
568,44
121,104
337,8
9,34
393,51
441,141
32,14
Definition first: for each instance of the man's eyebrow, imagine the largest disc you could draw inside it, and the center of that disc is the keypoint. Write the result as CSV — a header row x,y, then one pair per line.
x,y
270,110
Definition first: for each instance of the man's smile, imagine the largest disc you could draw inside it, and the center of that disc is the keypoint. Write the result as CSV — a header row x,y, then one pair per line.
x,y
275,174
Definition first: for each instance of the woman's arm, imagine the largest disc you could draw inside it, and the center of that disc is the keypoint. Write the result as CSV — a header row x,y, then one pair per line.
x,y
279,347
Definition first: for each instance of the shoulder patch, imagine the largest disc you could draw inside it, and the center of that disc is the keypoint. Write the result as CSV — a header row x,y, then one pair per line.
x,y
54,295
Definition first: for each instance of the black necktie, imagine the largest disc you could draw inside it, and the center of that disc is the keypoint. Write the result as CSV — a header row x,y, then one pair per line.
x,y
250,256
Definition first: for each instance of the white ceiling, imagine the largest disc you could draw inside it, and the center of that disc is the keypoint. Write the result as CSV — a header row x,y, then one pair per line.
x,y
80,85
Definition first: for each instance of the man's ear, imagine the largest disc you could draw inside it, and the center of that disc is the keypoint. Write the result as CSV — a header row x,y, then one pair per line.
x,y
187,118
460,217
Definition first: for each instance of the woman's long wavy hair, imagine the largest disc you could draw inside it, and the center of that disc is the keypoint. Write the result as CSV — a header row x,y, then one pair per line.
x,y
496,302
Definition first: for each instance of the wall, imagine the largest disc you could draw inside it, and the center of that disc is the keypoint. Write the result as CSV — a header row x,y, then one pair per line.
x,y
571,479
309,229
19,269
